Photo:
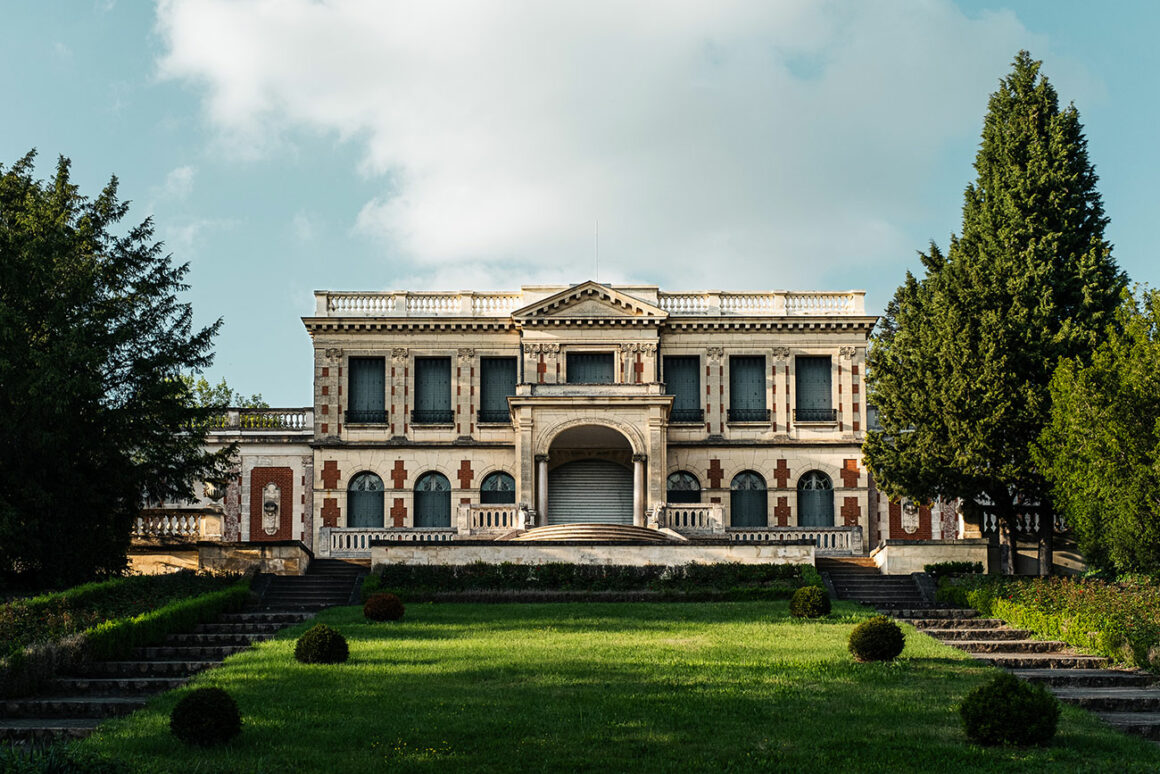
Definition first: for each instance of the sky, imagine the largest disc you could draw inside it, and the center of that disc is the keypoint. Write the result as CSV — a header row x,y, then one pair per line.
x,y
284,146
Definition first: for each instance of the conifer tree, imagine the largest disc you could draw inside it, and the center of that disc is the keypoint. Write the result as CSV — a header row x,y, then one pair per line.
x,y
960,366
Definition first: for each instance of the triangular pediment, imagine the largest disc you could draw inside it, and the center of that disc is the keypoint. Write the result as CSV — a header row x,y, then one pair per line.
x,y
587,301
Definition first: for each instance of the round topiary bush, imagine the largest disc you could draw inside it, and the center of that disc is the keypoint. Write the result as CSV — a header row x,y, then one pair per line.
x,y
383,607
1010,711
876,639
809,602
206,717
321,644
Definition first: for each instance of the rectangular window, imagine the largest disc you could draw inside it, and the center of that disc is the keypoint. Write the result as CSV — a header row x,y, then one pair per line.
x,y
432,391
813,390
747,389
683,381
590,368
497,380
366,391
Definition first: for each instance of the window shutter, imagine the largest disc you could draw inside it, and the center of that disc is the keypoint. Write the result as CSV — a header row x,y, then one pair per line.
x,y
747,389
683,382
590,368
367,388
497,380
813,389
433,390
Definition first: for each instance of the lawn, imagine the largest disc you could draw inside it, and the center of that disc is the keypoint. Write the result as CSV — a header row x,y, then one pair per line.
x,y
721,687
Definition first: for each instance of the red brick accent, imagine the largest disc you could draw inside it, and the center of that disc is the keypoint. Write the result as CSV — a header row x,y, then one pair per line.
x,y
330,472
638,370
715,500
465,501
781,511
283,478
399,474
850,473
715,473
854,388
854,370
924,523
781,473
851,511
325,408
398,512
325,389
465,474
325,371
329,512
541,369
325,428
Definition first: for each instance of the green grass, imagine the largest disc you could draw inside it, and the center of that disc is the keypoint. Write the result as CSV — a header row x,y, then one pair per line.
x,y
732,687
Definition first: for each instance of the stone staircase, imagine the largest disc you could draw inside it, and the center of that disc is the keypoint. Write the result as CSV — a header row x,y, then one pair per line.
x,y
857,579
1125,699
593,533
327,582
72,705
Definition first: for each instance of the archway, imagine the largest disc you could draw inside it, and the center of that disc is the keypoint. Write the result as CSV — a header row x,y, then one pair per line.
x,y
590,478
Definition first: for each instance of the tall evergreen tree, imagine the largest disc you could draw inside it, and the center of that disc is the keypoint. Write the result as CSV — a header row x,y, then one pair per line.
x,y
93,342
960,366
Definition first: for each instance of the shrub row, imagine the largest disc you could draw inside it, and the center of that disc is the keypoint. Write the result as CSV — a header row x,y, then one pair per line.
x,y
22,671
410,581
50,617
1118,620
940,569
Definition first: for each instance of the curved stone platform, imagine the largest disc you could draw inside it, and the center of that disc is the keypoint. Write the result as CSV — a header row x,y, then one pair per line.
x,y
593,533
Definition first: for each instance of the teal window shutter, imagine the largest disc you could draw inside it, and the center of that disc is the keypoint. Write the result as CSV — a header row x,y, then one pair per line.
x,y
815,500
497,380
683,381
432,391
364,501
748,500
432,501
813,390
590,368
747,389
366,390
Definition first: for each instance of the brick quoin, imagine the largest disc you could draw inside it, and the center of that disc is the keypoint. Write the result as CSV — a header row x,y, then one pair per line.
x,y
465,474
781,473
283,478
398,512
325,371
849,473
715,473
330,512
715,500
850,511
325,428
330,472
399,474
781,511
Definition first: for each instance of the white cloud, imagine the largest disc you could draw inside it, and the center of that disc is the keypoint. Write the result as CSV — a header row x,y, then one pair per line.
x,y
747,142
178,183
304,227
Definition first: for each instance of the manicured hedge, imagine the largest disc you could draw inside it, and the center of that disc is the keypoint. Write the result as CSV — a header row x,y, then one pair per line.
x,y
764,581
1118,620
939,569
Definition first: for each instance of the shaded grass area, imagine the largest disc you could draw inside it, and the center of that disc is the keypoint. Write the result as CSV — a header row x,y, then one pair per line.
x,y
734,687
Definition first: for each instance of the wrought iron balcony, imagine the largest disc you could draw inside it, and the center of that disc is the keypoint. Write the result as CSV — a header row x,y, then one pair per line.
x,y
375,416
498,416
815,415
687,415
748,415
437,417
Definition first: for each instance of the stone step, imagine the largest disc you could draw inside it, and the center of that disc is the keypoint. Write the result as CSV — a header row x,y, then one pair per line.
x,y
1114,699
188,652
936,612
99,669
977,634
105,686
264,616
214,638
926,624
1013,646
1040,660
1145,724
72,706
45,730
902,600
1085,677
238,628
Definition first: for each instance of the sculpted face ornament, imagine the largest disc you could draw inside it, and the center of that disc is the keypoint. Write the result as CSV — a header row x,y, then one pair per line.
x,y
271,497
909,518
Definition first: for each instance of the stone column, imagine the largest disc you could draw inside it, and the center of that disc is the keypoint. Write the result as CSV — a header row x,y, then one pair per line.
x,y
638,490
542,488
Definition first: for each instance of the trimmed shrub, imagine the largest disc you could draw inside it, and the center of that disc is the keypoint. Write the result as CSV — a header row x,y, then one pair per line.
x,y
1010,711
876,639
939,569
321,644
809,602
206,717
383,607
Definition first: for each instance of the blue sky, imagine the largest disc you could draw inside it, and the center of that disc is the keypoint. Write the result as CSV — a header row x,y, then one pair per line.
x,y
284,146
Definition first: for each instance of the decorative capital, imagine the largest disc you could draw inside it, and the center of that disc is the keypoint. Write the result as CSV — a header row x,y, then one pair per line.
x,y
780,353
399,354
333,353
640,458
542,458
847,352
648,348
715,354
466,353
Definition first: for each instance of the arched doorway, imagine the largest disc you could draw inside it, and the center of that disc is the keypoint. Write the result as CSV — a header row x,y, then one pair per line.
x,y
815,500
748,503
590,477
364,501
432,501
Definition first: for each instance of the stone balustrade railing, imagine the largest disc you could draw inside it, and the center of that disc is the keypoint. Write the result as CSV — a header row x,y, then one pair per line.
x,y
406,303
1025,523
178,526
355,542
827,540
692,518
286,420
477,519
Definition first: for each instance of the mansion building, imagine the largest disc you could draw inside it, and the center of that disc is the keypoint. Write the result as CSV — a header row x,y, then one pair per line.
x,y
451,416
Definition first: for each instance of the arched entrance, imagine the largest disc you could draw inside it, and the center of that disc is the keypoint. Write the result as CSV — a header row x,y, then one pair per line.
x,y
590,477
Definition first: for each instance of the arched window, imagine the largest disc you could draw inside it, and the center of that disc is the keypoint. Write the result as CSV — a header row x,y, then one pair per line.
x,y
683,487
432,501
498,489
748,503
815,500
364,501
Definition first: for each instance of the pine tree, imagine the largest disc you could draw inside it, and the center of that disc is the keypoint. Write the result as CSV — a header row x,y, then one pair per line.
x,y
959,369
95,416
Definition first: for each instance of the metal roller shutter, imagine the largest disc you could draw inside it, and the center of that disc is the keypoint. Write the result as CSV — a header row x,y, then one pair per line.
x,y
590,491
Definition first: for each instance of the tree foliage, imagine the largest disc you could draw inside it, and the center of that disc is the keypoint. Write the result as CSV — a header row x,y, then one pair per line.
x,y
220,395
93,340
960,364
1101,449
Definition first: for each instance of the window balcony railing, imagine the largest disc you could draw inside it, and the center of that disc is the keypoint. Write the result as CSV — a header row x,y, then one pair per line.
x,y
687,415
748,415
815,415
376,416
437,417
496,417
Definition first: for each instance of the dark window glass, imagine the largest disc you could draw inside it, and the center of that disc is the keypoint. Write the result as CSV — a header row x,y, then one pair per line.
x,y
364,501
813,390
748,503
432,391
590,368
497,380
498,489
683,381
432,501
747,389
683,487
366,390
815,500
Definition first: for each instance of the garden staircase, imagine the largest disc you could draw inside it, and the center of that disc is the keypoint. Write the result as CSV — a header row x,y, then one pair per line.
x,y
327,582
857,579
71,706
1126,699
